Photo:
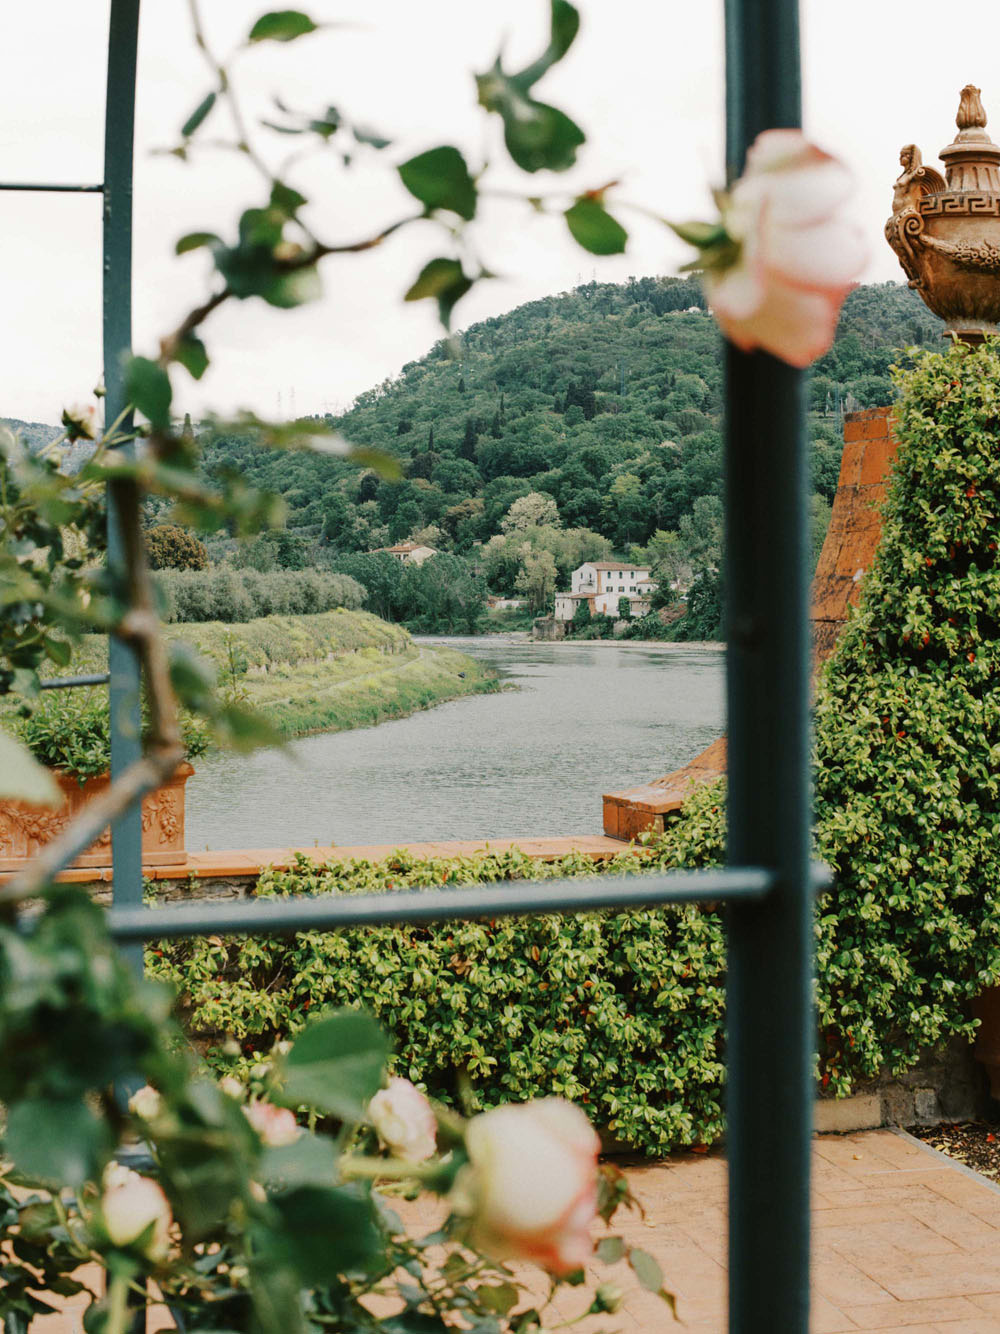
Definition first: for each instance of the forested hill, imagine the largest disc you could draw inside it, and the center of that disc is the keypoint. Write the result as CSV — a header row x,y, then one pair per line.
x,y
607,399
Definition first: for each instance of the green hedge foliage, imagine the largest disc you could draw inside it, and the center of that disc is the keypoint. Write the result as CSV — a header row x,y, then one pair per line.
x,y
625,1014
621,1013
226,594
908,740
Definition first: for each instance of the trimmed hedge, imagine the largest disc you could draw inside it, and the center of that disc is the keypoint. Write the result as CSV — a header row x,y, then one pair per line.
x,y
621,1013
226,594
625,1014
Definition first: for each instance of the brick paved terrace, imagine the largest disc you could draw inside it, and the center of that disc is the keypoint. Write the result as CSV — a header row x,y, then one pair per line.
x,y
905,1242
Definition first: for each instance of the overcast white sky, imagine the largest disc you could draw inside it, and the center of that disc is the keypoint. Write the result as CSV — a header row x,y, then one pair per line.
x,y
645,80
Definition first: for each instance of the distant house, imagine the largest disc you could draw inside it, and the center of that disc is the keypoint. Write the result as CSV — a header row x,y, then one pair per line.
x,y
602,584
409,553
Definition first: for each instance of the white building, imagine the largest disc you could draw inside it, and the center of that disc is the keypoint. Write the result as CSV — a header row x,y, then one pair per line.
x,y
602,583
409,553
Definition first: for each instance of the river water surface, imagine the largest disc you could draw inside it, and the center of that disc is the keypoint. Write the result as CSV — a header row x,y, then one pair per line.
x,y
586,718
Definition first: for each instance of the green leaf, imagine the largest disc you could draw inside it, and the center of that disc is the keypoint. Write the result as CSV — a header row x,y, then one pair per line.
x,y
148,388
327,1231
539,137
192,355
565,24
293,288
310,1161
286,199
198,115
443,279
440,178
646,1269
336,1064
611,1250
593,227
195,240
700,234
370,137
282,25
57,1141
501,1298
22,777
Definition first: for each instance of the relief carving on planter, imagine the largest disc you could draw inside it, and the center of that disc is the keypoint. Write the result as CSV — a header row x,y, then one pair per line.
x,y
24,830
946,230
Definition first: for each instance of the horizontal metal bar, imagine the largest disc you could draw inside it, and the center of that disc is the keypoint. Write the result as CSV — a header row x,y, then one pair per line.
x,y
68,682
46,188
508,899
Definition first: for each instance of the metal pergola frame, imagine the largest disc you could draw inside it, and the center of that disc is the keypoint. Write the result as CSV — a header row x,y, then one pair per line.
x,y
769,883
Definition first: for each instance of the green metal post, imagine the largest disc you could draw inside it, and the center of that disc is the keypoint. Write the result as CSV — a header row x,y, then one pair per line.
x,y
770,943
126,741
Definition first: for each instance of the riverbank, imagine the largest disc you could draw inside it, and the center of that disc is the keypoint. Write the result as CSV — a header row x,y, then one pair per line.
x,y
531,761
328,672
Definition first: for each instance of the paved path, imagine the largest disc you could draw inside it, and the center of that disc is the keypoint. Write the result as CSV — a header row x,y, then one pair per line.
x,y
906,1242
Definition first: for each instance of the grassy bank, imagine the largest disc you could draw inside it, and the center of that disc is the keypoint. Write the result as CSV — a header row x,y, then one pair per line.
x,y
331,671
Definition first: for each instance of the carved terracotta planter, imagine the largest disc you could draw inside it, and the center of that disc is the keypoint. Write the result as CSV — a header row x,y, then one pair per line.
x,y
986,1008
946,232
25,829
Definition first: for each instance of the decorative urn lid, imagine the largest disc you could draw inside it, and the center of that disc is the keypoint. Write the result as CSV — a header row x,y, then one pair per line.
x,y
946,232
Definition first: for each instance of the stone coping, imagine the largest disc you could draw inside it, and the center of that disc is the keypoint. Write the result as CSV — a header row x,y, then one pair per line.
x,y
249,862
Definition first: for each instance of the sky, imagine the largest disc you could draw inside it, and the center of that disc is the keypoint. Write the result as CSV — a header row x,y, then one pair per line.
x,y
644,80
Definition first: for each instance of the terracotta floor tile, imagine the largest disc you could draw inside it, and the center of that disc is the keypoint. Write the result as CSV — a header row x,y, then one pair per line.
x,y
977,1325
892,1314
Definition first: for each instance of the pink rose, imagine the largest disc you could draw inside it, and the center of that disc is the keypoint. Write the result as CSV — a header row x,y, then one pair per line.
x,y
80,421
404,1120
130,1205
797,257
145,1103
275,1125
530,1186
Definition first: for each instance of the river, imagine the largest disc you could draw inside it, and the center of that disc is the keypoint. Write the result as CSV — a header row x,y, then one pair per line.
x,y
585,718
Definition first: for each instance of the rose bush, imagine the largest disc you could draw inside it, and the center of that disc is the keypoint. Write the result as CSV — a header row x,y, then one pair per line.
x,y
246,1218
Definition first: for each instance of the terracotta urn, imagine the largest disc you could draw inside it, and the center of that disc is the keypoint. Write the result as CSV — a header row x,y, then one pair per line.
x,y
946,230
25,829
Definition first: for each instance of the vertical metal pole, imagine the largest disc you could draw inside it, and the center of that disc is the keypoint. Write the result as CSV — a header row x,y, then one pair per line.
x,y
770,1017
126,740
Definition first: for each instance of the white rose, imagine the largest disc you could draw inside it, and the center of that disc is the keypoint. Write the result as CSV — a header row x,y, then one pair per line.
x,y
130,1205
275,1125
404,1120
530,1186
232,1087
798,256
145,1103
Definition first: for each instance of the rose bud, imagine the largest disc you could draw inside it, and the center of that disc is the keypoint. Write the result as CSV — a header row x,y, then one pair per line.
x,y
130,1205
530,1185
145,1103
404,1120
275,1125
795,256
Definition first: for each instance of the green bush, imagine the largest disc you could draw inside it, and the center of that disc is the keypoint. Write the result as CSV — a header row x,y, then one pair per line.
x,y
908,740
169,547
620,1012
234,596
71,730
